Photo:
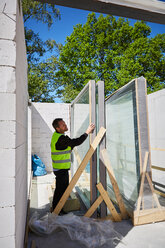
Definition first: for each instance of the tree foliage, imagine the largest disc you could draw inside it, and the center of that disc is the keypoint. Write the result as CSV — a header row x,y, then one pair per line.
x,y
41,81
113,51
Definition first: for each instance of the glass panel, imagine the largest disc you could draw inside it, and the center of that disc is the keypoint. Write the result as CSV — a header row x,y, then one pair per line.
x,y
80,123
122,143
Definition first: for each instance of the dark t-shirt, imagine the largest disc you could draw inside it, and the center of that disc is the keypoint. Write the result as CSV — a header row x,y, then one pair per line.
x,y
64,141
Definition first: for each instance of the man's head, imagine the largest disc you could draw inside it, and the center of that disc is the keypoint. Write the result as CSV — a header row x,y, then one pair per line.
x,y
59,125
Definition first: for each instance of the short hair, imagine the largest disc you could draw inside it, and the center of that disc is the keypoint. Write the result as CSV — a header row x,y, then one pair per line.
x,y
56,122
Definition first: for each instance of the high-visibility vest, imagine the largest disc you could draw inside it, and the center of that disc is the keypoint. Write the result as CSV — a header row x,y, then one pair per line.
x,y
61,159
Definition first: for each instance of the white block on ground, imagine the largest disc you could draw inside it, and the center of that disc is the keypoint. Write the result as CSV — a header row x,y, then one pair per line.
x,y
7,53
7,75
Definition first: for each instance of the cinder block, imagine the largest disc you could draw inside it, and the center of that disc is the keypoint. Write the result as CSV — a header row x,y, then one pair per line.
x,y
7,192
7,75
7,134
20,230
21,108
7,223
42,130
7,162
7,53
9,101
8,6
21,158
7,26
21,132
8,242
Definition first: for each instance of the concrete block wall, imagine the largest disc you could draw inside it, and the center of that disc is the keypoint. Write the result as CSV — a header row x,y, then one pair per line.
x,y
156,103
21,131
29,146
42,116
13,125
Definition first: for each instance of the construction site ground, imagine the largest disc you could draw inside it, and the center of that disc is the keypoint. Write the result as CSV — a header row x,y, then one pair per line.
x,y
143,236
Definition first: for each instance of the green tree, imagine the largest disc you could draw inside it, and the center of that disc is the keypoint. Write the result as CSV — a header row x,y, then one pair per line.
x,y
41,76
113,51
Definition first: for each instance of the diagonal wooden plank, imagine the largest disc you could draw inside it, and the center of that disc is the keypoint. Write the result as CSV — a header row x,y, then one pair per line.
x,y
94,206
148,216
80,170
107,200
77,155
142,181
152,189
114,184
33,244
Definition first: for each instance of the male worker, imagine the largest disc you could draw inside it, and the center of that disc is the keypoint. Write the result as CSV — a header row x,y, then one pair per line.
x,y
61,147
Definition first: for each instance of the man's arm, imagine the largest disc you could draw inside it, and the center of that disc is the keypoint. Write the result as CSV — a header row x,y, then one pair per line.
x,y
64,141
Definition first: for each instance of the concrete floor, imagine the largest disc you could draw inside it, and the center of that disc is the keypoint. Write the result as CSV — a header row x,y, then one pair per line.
x,y
144,236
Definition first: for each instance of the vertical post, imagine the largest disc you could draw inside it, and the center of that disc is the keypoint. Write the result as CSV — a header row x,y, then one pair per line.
x,y
71,132
93,160
101,123
142,118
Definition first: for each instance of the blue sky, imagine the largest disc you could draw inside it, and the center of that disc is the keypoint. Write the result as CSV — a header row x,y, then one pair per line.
x,y
69,18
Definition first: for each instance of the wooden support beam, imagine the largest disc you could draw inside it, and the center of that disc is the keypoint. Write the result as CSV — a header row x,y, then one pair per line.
x,y
77,155
157,168
33,244
108,202
159,193
114,184
94,206
158,149
80,170
142,181
152,189
148,216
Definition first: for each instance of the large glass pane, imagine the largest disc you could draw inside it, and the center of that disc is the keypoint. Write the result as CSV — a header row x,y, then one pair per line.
x,y
80,122
122,143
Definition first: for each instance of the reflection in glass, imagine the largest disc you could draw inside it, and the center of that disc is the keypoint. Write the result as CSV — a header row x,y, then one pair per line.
x,y
122,143
80,123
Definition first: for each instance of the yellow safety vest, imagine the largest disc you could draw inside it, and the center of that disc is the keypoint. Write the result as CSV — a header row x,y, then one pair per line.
x,y
61,159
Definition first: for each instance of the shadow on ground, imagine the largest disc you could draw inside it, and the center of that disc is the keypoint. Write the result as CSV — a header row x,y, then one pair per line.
x,y
61,239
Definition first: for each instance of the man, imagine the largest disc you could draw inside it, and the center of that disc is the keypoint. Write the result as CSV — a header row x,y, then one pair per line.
x,y
61,147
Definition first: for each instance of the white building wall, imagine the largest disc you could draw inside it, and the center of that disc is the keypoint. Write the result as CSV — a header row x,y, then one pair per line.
x,y
21,132
42,116
156,109
29,146
13,126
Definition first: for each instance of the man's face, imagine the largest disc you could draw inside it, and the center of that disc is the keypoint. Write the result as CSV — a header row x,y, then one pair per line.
x,y
62,127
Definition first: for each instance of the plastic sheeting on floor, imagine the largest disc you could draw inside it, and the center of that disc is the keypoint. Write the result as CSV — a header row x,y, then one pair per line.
x,y
90,232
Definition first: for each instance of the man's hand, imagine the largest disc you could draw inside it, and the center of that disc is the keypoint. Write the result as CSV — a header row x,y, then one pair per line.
x,y
90,128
